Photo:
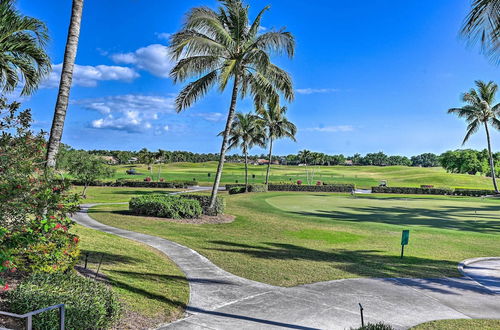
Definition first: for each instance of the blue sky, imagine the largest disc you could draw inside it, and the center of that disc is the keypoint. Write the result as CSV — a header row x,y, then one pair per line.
x,y
369,76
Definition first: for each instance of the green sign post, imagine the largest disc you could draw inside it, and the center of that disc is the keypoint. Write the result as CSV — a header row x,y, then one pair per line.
x,y
405,238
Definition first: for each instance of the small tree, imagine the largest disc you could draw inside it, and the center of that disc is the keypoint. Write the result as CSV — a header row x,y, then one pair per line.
x,y
88,168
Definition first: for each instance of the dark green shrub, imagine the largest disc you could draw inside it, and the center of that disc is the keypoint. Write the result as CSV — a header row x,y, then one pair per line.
x,y
412,190
165,206
375,326
236,190
89,304
473,192
257,188
233,185
310,188
204,200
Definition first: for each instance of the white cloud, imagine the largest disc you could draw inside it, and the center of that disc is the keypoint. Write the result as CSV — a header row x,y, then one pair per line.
x,y
88,76
210,116
330,129
163,35
154,59
131,113
307,91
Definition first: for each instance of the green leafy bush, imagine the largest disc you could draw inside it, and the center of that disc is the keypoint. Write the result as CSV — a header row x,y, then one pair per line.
x,y
375,326
89,304
473,192
165,206
204,200
257,188
236,190
412,190
310,188
137,184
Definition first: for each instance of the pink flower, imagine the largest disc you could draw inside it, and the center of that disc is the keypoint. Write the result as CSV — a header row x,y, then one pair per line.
x,y
6,287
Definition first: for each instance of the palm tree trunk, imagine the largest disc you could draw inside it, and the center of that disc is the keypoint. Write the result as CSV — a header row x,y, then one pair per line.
x,y
492,164
65,84
246,171
84,192
270,160
225,138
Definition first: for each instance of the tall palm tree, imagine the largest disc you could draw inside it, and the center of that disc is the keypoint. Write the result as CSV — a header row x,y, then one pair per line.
x,y
246,133
56,130
304,156
483,25
22,50
277,126
215,47
481,111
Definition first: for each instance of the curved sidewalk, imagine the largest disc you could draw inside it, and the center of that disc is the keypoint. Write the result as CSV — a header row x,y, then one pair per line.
x,y
220,300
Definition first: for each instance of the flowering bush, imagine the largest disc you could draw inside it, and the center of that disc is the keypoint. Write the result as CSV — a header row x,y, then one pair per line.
x,y
318,183
147,179
34,203
299,182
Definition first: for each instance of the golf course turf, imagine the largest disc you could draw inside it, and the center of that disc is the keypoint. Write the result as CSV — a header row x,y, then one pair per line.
x,y
295,238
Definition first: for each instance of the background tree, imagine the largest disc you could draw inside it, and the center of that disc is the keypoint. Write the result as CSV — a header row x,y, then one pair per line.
x,y
56,130
22,50
216,47
88,168
483,25
277,126
425,160
481,111
246,133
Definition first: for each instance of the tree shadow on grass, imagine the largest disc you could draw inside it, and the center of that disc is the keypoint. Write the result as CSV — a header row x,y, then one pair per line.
x,y
450,217
176,278
108,258
362,263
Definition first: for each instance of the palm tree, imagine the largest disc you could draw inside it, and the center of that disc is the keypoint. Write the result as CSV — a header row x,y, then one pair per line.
x,y
277,126
304,156
22,50
483,25
56,130
246,133
215,47
480,110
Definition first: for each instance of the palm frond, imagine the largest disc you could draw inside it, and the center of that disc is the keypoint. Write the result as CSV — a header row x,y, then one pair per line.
x,y
194,66
193,91
279,42
471,129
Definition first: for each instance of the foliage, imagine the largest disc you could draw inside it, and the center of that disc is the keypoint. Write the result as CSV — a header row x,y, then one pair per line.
x,y
204,200
236,190
33,204
412,190
165,206
467,161
473,192
88,168
139,184
375,326
312,188
425,160
22,50
89,304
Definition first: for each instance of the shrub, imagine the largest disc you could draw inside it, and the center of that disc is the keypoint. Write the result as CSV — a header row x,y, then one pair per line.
x,y
204,200
473,192
426,186
147,179
138,184
257,188
165,206
299,182
412,190
375,326
89,304
308,188
236,190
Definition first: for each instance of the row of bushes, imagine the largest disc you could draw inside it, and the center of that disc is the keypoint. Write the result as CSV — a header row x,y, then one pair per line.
x,y
309,188
139,184
165,206
432,191
240,188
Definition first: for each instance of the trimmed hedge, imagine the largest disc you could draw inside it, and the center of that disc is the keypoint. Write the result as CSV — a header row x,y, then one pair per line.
x,y
310,188
236,190
89,304
473,192
138,184
204,200
165,206
412,190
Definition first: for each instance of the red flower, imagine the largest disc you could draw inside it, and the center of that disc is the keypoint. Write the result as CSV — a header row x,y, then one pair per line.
x,y
6,287
13,270
18,186
58,226
55,189
76,240
65,228
52,217
6,264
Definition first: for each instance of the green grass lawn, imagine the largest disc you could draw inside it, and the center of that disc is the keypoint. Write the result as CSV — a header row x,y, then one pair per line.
x,y
294,238
116,194
362,176
152,288
459,324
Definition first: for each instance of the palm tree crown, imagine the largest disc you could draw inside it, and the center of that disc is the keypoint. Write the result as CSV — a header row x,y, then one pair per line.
x,y
215,47
479,109
246,133
22,54
483,25
274,119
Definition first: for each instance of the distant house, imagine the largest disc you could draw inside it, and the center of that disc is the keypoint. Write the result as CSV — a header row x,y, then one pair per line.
x,y
110,160
348,162
132,160
265,162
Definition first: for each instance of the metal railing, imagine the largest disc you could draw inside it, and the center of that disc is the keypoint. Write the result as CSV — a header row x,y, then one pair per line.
x,y
29,316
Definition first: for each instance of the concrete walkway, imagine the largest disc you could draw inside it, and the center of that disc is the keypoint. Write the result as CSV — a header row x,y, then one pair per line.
x,y
220,300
